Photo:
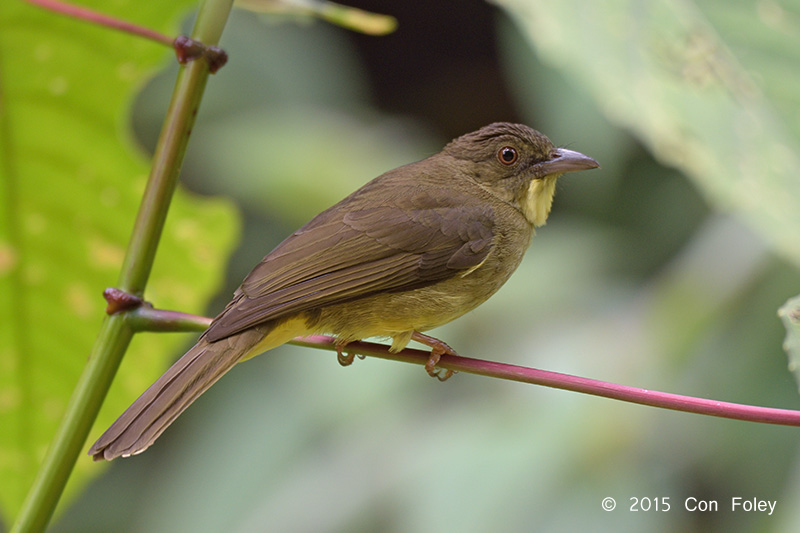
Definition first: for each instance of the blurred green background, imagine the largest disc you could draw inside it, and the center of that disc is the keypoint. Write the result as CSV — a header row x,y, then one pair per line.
x,y
651,272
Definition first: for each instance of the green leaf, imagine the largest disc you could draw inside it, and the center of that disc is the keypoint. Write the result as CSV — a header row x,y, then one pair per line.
x,y
710,87
70,188
790,315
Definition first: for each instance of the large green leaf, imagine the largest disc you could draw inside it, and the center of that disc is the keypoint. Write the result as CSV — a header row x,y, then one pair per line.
x,y
70,188
710,87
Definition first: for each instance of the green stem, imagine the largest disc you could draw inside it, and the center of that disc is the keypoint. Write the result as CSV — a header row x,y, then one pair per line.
x,y
115,334
169,155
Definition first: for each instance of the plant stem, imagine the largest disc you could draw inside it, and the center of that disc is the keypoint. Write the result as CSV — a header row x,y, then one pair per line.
x,y
557,380
115,334
70,436
148,319
144,318
100,19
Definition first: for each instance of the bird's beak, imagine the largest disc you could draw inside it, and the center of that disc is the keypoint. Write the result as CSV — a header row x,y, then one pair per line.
x,y
564,160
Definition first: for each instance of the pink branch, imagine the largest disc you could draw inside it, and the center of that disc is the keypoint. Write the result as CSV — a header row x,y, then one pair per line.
x,y
103,20
145,318
186,49
557,380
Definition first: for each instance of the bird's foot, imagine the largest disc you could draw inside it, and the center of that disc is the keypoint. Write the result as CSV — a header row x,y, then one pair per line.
x,y
343,358
438,349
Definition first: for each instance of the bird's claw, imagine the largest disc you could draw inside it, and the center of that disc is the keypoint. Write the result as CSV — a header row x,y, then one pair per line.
x,y
438,348
346,359
343,358
439,373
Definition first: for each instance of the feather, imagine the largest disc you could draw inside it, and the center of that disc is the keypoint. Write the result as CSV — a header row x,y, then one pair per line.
x,y
363,247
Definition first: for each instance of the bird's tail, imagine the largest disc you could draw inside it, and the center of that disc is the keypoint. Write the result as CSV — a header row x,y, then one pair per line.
x,y
142,423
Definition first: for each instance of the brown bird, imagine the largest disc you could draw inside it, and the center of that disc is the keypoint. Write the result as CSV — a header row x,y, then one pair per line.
x,y
409,251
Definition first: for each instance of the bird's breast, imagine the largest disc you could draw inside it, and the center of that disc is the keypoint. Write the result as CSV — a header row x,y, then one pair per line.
x,y
387,314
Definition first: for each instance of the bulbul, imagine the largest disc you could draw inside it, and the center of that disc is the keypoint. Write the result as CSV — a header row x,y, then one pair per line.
x,y
409,251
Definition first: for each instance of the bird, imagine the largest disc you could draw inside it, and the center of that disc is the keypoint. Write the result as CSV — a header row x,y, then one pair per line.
x,y
413,249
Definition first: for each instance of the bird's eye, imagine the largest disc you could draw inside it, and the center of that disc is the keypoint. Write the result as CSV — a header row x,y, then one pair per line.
x,y
507,155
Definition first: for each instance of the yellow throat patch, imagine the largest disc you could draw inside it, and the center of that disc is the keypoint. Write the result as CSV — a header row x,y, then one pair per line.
x,y
540,199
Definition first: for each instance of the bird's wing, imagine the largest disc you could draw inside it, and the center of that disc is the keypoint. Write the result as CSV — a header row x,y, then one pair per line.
x,y
410,240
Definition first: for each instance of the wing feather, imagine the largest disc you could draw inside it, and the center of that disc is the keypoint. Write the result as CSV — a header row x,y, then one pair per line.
x,y
348,252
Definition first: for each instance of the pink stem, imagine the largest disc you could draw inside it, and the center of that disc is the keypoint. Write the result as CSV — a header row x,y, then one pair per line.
x,y
102,20
557,380
147,319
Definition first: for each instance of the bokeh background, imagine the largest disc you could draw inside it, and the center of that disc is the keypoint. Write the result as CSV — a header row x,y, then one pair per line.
x,y
642,276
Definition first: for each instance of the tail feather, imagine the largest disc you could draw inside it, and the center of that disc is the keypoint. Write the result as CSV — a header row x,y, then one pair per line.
x,y
142,423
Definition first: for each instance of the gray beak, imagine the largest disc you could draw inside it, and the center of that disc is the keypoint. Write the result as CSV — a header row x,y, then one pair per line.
x,y
564,160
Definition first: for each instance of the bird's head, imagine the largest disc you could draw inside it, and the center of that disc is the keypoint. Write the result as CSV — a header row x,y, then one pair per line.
x,y
517,164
